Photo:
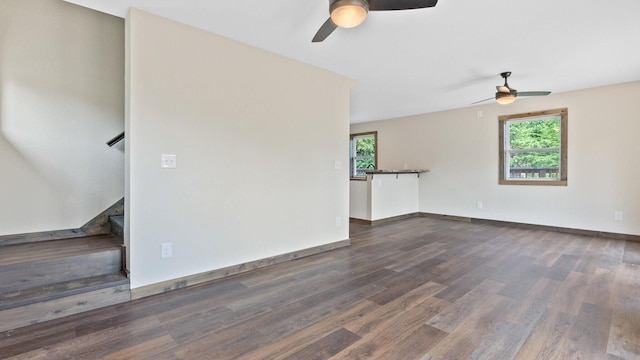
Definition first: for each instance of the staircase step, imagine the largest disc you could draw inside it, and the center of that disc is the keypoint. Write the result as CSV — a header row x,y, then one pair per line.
x,y
117,225
9,300
29,265
53,301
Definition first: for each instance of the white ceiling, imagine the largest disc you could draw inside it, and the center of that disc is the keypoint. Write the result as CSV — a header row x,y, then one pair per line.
x,y
426,60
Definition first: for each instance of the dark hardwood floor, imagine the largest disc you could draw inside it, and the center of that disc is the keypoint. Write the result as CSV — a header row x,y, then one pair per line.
x,y
418,288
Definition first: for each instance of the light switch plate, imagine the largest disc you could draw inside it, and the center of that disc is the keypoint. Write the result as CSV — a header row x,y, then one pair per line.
x,y
167,250
168,161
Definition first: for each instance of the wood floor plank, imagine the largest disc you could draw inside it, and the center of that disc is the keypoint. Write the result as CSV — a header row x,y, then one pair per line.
x,y
98,344
589,333
529,310
316,313
613,254
242,337
546,339
458,288
624,337
600,291
296,341
451,270
562,267
464,339
503,343
377,318
391,332
326,346
147,349
552,247
631,253
19,344
284,289
590,259
351,284
205,321
458,312
403,284
407,259
571,293
414,345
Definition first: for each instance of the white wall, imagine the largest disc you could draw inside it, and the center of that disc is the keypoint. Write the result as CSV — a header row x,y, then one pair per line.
x,y
384,196
61,99
359,200
393,195
256,136
461,150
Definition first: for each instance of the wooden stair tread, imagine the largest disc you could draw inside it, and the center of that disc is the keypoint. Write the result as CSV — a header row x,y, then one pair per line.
x,y
117,225
71,303
49,292
118,219
47,250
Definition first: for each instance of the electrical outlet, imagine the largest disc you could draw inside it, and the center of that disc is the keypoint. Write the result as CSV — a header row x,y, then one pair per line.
x,y
337,164
479,204
168,161
406,166
167,250
618,216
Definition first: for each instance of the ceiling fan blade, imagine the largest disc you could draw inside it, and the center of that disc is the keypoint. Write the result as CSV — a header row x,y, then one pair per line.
x,y
491,98
381,5
534,93
325,30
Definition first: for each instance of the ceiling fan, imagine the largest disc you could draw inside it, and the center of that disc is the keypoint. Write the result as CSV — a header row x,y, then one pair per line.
x,y
351,13
507,95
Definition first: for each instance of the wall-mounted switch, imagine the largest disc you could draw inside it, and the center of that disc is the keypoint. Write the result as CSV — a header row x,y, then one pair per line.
x,y
167,250
337,164
479,204
618,216
338,221
168,161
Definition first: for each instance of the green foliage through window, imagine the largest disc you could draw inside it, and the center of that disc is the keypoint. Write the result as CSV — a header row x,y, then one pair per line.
x,y
541,135
363,153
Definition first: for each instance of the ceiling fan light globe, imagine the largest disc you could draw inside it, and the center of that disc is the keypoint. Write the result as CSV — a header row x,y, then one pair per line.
x,y
348,13
505,98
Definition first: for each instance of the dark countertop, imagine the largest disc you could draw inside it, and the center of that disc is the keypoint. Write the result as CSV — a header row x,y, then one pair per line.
x,y
406,171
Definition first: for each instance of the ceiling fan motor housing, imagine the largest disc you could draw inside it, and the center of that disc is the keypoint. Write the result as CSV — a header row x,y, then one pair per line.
x,y
348,13
504,94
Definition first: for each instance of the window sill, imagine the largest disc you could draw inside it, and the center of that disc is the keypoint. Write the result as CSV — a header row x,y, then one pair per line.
x,y
358,178
534,182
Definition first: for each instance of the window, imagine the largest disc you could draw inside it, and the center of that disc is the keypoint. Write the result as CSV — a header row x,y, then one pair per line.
x,y
364,153
533,148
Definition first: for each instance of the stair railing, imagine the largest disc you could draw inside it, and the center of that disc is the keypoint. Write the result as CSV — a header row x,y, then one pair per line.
x,y
116,139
